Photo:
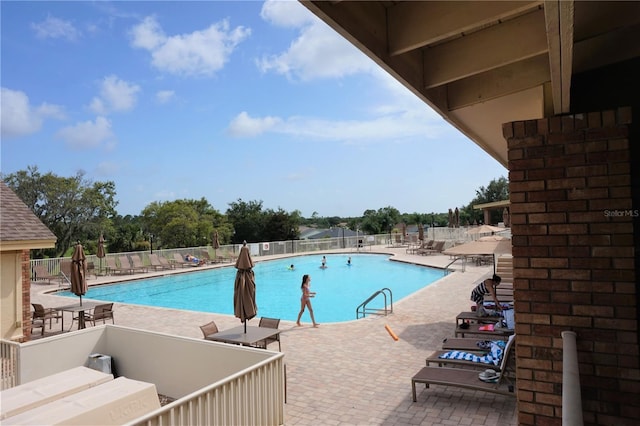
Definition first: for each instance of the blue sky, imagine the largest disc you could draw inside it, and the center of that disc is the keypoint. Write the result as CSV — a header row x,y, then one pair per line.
x,y
223,100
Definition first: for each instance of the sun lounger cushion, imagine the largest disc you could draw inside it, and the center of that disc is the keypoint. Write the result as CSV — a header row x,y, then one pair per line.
x,y
493,357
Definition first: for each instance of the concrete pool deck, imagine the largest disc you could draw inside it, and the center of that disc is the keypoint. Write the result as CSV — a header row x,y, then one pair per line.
x,y
354,373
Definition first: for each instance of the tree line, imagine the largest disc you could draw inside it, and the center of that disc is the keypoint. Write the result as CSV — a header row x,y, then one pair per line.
x,y
77,209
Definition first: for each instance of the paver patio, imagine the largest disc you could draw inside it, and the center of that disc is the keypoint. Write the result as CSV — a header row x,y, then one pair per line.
x,y
354,373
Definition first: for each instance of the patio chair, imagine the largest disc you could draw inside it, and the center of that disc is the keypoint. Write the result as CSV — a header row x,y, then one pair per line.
x,y
491,357
166,263
114,269
102,313
40,313
438,246
178,259
270,323
65,271
209,328
125,263
156,263
41,273
137,263
468,378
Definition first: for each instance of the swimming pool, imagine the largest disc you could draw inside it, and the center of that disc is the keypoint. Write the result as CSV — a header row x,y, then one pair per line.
x,y
340,288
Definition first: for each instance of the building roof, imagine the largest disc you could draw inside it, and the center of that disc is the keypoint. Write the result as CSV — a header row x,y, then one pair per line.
x,y
480,64
20,229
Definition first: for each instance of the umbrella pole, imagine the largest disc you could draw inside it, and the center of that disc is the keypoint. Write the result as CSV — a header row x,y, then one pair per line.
x,y
245,326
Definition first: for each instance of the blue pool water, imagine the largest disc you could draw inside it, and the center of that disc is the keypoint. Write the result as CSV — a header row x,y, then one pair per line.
x,y
340,288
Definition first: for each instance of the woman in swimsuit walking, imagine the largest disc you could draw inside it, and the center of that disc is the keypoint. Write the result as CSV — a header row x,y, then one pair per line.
x,y
305,300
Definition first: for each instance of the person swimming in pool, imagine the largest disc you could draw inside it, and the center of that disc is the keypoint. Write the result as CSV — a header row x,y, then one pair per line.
x,y
324,263
291,268
305,300
349,261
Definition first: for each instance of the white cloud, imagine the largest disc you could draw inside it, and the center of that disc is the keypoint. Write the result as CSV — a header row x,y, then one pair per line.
x,y
164,96
55,28
288,14
244,126
198,53
88,134
394,126
319,52
19,118
115,95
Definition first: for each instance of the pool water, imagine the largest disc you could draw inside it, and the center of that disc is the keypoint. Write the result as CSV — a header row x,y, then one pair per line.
x,y
340,288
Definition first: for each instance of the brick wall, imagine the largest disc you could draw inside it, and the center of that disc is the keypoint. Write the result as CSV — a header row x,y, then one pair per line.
x,y
574,267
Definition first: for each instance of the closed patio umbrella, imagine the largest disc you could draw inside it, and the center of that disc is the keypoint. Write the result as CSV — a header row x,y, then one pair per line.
x,y
421,232
79,272
215,243
244,292
100,252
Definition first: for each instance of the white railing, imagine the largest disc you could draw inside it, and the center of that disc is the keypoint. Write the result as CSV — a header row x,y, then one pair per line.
x,y
452,236
255,397
212,383
10,358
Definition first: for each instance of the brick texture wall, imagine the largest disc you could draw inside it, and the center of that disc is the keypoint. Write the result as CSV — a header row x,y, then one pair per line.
x,y
572,220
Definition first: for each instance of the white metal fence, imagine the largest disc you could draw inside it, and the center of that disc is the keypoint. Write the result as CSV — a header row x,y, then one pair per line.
x,y
453,236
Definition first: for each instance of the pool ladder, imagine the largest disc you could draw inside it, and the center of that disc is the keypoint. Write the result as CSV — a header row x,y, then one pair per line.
x,y
388,309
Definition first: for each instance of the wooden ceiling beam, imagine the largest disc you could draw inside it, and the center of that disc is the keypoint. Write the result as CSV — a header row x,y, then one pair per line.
x,y
496,83
412,24
485,50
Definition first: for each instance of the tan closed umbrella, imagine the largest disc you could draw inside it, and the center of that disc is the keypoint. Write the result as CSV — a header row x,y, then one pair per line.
x,y
244,291
79,272
421,232
215,243
100,252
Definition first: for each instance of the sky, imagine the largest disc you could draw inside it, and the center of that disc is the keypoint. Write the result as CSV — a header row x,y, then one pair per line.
x,y
226,100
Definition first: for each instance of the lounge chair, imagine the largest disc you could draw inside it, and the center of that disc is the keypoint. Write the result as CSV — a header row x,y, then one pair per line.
x,y
137,264
465,343
156,263
490,357
209,329
178,259
166,263
65,271
41,273
115,269
438,246
270,323
102,313
42,314
468,378
125,264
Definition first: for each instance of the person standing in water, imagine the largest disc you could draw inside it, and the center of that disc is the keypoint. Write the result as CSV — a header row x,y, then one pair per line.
x,y
305,300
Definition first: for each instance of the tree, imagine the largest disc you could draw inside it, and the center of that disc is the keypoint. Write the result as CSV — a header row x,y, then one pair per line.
x,y
74,208
497,190
383,220
279,226
182,223
247,220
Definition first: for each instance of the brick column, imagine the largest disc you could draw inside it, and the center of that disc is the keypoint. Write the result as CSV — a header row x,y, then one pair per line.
x,y
26,295
572,218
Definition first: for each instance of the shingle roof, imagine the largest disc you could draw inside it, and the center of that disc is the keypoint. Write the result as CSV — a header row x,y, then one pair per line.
x,y
19,224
